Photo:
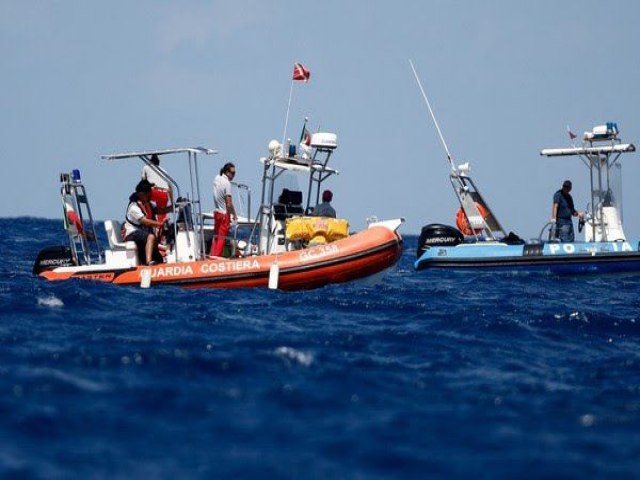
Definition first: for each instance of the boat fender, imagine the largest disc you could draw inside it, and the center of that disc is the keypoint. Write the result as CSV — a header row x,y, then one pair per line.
x,y
145,278
274,274
462,222
438,235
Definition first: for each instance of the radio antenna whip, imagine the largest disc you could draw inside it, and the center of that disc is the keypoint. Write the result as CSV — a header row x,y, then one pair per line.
x,y
424,95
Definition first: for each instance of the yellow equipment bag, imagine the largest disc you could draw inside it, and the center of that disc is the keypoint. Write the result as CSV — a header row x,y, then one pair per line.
x,y
316,229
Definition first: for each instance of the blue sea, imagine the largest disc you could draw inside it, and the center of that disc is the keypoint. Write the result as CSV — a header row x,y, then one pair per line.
x,y
408,375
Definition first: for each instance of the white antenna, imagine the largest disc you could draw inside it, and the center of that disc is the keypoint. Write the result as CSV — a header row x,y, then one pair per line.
x,y
424,95
286,121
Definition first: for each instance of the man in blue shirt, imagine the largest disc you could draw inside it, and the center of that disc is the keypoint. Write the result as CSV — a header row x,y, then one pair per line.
x,y
325,209
562,211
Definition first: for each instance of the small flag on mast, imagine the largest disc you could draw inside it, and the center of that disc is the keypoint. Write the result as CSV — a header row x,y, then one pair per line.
x,y
300,72
305,136
572,135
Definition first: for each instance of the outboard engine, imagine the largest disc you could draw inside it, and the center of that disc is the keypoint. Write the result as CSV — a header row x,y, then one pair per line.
x,y
438,235
53,257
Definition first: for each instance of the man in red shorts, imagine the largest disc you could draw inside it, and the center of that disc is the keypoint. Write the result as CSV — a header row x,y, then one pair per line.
x,y
224,210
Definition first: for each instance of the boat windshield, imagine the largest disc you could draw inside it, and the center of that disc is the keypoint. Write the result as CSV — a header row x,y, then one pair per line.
x,y
611,196
288,181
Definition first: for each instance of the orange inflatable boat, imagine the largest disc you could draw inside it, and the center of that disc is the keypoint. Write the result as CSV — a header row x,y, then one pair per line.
x,y
281,247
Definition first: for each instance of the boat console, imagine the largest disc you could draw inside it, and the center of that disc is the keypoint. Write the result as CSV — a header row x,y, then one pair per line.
x,y
600,152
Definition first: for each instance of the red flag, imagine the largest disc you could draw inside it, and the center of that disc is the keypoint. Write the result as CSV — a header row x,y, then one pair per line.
x,y
300,72
572,135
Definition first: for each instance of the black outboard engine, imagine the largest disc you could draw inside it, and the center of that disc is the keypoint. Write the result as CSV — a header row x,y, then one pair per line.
x,y
53,257
438,235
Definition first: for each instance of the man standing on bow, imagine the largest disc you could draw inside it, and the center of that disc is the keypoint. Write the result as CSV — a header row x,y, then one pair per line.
x,y
223,210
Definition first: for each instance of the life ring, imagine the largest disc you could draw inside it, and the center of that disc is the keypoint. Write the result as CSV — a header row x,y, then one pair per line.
x,y
462,222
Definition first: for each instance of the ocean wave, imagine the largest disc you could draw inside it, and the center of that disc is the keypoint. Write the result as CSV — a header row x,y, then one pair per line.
x,y
50,301
44,374
302,358
443,373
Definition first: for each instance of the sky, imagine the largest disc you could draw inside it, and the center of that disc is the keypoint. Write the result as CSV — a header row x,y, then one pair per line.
x,y
505,78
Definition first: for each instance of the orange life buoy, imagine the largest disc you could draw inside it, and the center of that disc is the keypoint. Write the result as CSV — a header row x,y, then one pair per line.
x,y
462,222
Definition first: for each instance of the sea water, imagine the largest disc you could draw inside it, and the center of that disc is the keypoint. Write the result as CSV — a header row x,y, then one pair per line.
x,y
410,375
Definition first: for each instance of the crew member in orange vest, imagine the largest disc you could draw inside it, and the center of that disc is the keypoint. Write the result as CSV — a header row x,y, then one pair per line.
x,y
141,224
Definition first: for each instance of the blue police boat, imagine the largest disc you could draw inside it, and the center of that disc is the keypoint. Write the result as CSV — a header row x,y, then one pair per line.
x,y
479,242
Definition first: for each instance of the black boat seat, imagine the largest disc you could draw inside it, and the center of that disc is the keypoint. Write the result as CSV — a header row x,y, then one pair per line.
x,y
290,197
282,212
289,204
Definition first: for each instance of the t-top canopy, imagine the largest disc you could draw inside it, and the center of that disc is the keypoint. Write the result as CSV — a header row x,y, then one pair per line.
x,y
171,151
287,164
560,152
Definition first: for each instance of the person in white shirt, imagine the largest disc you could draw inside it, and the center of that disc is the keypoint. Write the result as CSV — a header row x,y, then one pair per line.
x,y
224,210
141,223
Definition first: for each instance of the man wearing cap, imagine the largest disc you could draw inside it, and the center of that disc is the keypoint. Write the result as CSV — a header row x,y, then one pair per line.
x,y
141,223
325,209
561,212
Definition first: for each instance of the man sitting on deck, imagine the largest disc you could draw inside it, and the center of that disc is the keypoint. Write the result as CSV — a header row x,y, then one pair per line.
x,y
141,223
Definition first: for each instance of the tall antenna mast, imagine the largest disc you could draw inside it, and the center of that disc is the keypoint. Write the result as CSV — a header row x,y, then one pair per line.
x,y
424,95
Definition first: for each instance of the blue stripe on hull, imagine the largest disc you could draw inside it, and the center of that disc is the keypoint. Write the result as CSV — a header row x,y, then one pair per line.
x,y
566,258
